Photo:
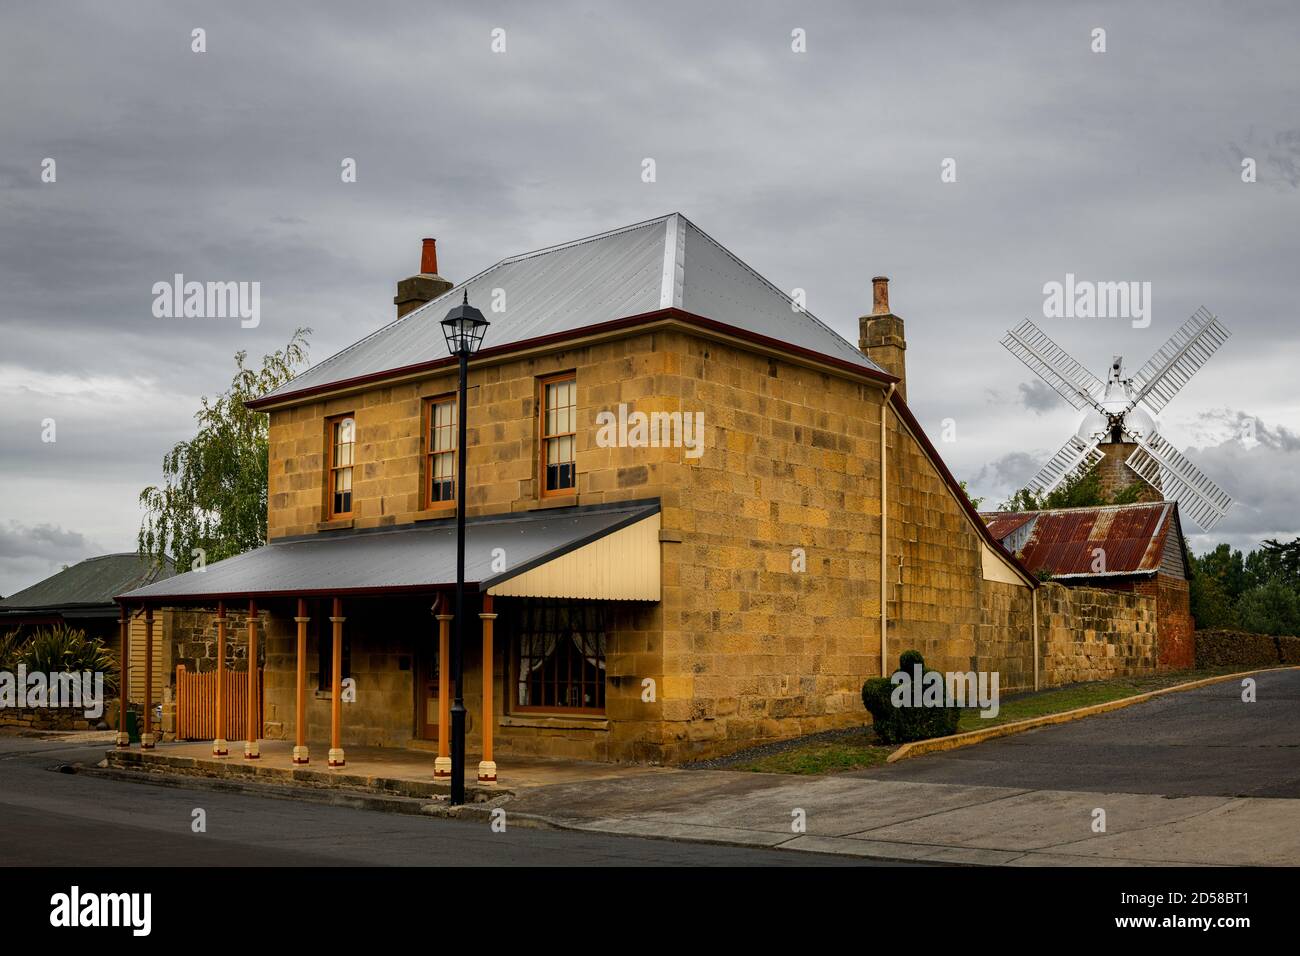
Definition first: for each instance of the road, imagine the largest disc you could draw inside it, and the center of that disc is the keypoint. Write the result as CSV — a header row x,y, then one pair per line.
x,y
1204,742
61,819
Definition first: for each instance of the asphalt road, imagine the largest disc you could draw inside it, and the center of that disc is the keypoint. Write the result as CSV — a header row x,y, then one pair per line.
x,y
1205,742
59,819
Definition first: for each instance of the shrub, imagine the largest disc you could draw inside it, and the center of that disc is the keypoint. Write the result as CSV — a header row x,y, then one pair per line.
x,y
1229,648
10,643
1271,608
62,648
896,725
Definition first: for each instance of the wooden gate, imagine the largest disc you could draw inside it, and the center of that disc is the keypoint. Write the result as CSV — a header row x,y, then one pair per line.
x,y
196,704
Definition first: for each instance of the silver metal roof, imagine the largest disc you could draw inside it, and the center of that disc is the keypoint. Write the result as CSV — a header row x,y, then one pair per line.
x,y
410,557
663,263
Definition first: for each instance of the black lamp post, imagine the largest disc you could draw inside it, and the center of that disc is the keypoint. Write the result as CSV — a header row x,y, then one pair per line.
x,y
464,327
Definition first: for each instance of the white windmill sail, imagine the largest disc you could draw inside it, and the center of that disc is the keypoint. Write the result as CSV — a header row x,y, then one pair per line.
x,y
1166,372
1074,455
1053,364
1161,465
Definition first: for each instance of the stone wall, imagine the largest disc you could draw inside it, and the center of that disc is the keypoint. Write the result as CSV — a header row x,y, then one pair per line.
x,y
1005,637
54,718
1094,634
194,640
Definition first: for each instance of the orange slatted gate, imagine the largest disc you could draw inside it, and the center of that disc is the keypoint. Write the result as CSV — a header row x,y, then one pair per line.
x,y
196,704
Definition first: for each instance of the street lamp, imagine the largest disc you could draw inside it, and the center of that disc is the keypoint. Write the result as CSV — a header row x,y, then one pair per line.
x,y
464,327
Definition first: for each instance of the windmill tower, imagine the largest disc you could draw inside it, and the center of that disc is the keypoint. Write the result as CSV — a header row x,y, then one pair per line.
x,y
1119,432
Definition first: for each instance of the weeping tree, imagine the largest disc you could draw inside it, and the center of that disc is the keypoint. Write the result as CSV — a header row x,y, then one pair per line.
x,y
212,500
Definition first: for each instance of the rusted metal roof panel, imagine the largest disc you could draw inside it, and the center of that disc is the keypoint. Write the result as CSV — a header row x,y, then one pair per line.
x,y
1004,523
1110,540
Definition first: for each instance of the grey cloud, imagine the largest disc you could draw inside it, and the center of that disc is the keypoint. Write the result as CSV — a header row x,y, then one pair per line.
x,y
820,170
1002,476
1039,397
31,553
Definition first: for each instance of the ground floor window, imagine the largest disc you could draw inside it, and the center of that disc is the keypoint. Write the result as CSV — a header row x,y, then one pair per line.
x,y
559,656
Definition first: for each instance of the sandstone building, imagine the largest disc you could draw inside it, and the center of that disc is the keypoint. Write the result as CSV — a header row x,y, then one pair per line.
x,y
698,519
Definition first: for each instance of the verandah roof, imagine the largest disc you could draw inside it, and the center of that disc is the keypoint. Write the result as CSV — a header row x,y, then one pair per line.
x,y
598,552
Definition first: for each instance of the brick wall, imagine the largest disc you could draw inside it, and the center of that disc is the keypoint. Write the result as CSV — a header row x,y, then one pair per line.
x,y
1177,628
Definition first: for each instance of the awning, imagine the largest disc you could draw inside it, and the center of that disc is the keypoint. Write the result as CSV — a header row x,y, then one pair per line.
x,y
598,552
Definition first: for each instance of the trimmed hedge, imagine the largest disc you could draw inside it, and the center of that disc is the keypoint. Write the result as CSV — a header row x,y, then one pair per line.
x,y
897,725
1230,648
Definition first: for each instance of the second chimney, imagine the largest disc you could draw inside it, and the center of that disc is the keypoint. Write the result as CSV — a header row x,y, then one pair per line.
x,y
416,290
880,335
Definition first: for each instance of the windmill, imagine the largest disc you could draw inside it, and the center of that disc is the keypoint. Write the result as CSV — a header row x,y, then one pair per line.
x,y
1122,411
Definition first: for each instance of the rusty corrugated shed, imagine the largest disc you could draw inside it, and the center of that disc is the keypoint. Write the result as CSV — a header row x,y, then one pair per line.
x,y
1091,542
1002,524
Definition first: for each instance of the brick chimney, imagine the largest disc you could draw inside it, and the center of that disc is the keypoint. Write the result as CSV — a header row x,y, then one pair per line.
x,y
880,335
416,290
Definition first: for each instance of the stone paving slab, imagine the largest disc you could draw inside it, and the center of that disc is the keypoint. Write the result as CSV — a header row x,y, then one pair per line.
x,y
935,823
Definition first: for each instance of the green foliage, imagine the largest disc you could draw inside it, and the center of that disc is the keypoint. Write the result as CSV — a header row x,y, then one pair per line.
x,y
1259,592
10,643
1212,606
61,648
1228,569
214,490
974,502
1128,495
896,725
1082,489
1274,561
1271,608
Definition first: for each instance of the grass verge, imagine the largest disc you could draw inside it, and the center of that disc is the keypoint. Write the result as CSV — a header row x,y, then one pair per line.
x,y
860,750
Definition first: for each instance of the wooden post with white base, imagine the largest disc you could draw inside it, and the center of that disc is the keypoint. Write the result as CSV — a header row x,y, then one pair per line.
x,y
336,755
251,751
487,769
124,677
442,764
220,746
300,754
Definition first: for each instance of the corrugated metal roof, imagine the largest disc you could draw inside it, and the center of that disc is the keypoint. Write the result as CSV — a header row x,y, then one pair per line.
x,y
93,582
663,263
412,557
1003,524
1064,542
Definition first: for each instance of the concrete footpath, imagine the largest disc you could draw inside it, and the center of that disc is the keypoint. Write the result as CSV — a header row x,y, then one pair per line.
x,y
936,823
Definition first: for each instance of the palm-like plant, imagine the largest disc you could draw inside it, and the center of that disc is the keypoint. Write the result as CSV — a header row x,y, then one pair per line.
x,y
61,648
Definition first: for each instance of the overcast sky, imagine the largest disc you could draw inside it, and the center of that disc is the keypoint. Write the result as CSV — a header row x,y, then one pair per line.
x,y
820,169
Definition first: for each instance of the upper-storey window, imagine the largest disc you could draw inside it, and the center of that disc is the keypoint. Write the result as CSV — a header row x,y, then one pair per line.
x,y
440,452
558,424
341,435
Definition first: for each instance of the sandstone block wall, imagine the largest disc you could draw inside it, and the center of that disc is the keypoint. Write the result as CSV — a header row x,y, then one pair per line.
x,y
1094,634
